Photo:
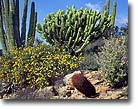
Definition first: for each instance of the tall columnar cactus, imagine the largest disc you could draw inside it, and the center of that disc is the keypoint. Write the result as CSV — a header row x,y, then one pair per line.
x,y
14,9
17,15
32,25
10,24
75,29
24,17
6,21
11,30
113,14
2,33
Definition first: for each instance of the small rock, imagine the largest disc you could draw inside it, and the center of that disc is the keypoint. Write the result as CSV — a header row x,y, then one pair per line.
x,y
89,76
79,97
67,79
68,93
64,95
55,92
116,96
108,97
103,94
123,98
70,88
1,97
104,89
108,84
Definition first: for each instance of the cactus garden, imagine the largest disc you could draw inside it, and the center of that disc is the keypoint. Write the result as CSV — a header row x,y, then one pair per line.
x,y
73,53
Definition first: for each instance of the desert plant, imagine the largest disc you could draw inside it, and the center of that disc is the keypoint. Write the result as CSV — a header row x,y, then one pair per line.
x,y
75,29
34,66
125,91
114,61
0,86
10,26
89,62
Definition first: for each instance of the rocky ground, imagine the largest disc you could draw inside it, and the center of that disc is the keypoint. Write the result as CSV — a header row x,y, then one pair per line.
x,y
63,89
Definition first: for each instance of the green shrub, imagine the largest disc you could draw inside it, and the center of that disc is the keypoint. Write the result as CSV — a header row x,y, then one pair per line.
x,y
89,62
125,91
114,61
34,66
0,86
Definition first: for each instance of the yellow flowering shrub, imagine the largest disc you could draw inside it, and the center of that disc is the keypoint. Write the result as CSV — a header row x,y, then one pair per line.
x,y
36,65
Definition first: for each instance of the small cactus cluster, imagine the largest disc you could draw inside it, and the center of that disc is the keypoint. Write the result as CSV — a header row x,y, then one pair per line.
x,y
75,29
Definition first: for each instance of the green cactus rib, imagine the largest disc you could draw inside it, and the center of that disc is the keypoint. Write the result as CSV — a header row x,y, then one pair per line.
x,y
2,33
15,23
6,13
113,14
68,34
17,15
9,34
24,18
31,37
11,30
12,6
39,29
35,22
106,7
75,29
78,35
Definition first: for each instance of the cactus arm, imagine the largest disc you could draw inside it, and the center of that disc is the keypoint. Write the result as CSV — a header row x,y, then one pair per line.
x,y
17,15
83,45
87,41
11,31
12,6
113,14
6,21
39,28
68,34
78,35
69,42
6,14
24,17
15,23
35,22
31,37
2,33
107,5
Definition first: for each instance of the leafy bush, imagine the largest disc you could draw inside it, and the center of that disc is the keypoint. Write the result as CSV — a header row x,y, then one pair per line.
x,y
125,92
34,66
114,61
0,86
89,62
